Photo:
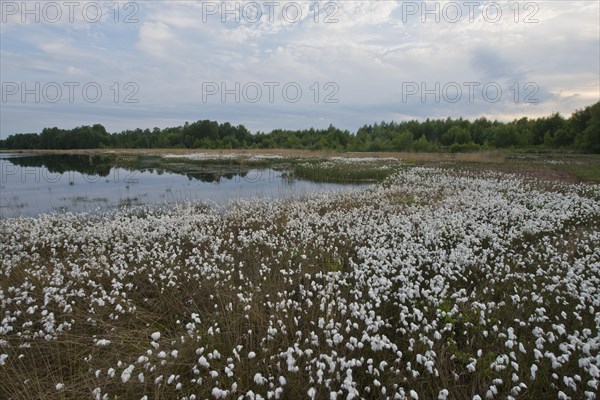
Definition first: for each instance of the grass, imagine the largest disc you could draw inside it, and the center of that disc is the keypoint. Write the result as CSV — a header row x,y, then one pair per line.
x,y
587,172
570,167
347,171
313,168
168,269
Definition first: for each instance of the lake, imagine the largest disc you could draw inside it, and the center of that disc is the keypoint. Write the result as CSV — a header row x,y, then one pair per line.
x,y
32,184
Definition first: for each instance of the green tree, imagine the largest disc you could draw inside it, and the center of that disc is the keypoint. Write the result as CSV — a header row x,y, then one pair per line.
x,y
403,140
589,139
505,136
422,144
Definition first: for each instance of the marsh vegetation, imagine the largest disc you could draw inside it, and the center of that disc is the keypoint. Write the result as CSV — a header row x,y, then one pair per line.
x,y
436,283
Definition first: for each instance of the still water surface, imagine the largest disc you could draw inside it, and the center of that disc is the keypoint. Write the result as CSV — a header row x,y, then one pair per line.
x,y
34,184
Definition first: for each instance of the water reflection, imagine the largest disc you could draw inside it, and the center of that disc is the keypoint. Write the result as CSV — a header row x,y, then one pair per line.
x,y
35,184
62,163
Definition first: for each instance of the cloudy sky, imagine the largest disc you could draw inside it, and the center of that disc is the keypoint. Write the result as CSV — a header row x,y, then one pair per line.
x,y
292,64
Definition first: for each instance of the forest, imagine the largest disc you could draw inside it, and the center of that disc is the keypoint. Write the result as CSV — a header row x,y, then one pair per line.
x,y
579,132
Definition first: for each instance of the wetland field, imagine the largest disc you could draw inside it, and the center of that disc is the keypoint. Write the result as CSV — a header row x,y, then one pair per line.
x,y
299,275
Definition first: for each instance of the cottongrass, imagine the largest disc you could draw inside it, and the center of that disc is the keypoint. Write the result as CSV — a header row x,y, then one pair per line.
x,y
223,156
433,285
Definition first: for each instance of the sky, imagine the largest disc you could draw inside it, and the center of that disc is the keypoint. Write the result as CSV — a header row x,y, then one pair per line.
x,y
292,64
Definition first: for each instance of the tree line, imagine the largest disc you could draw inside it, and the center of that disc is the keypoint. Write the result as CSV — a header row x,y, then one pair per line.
x,y
580,132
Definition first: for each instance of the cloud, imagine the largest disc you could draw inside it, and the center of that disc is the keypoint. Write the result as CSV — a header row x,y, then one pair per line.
x,y
373,50
156,38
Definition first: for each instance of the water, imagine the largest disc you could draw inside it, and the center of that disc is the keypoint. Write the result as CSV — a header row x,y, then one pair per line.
x,y
32,184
